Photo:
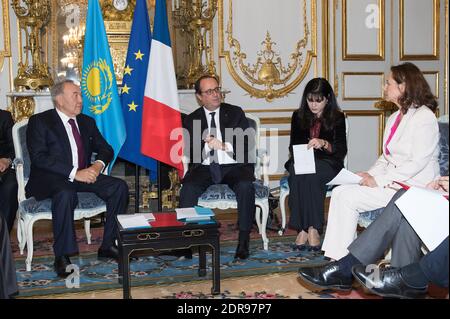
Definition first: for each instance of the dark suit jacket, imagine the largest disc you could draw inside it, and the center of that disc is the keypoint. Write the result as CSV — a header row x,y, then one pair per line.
x,y
231,117
50,153
6,141
336,137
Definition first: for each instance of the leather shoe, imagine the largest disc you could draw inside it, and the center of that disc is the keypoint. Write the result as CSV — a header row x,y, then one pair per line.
x,y
326,277
388,282
110,252
60,265
242,250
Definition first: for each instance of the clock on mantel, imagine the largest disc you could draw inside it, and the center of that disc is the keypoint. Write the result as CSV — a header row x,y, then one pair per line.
x,y
118,16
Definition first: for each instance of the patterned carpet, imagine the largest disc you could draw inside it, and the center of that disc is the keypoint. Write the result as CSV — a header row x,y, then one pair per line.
x,y
162,269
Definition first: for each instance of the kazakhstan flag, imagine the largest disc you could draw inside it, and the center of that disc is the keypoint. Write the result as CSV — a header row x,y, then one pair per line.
x,y
98,82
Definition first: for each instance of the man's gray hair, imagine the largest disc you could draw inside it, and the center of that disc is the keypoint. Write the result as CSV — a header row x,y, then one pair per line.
x,y
58,89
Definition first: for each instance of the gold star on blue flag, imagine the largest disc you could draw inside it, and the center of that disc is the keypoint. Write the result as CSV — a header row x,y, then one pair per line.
x,y
134,78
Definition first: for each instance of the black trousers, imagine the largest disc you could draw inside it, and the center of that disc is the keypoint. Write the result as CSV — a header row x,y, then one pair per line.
x,y
113,191
8,280
8,197
307,195
237,179
435,265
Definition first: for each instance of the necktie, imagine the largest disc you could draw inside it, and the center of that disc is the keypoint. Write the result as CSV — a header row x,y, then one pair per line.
x,y
79,142
214,167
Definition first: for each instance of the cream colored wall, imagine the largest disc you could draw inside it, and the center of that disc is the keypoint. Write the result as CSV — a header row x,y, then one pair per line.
x,y
355,67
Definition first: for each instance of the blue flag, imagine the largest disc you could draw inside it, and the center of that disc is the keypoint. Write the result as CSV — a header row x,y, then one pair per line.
x,y
134,78
98,82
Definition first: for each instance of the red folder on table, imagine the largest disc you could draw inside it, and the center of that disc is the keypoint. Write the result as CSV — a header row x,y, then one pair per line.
x,y
166,220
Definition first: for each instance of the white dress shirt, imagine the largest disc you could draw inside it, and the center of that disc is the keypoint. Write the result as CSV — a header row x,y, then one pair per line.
x,y
73,145
224,156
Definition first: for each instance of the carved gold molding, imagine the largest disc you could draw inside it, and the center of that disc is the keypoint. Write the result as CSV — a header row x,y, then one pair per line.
x,y
6,50
436,30
271,110
381,123
379,56
436,80
268,71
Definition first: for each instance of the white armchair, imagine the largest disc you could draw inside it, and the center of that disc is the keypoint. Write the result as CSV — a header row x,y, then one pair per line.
x,y
30,210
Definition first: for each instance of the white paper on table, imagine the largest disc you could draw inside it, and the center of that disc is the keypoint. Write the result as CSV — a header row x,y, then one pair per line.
x,y
188,212
149,216
427,213
304,162
345,177
133,221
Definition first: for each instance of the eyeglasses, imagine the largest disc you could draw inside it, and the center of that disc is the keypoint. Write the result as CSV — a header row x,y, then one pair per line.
x,y
212,91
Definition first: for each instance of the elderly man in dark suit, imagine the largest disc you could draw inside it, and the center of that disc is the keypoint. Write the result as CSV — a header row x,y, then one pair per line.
x,y
61,142
220,148
8,183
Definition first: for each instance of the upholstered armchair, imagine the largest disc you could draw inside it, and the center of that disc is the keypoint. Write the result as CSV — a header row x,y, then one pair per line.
x,y
220,196
30,210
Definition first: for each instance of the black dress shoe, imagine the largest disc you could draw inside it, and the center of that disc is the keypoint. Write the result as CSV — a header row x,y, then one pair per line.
x,y
326,277
110,252
60,265
242,250
388,282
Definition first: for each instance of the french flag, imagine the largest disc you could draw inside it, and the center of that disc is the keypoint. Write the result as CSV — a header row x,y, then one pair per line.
x,y
161,115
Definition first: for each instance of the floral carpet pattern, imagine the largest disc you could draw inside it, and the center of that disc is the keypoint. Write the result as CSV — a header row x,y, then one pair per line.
x,y
162,269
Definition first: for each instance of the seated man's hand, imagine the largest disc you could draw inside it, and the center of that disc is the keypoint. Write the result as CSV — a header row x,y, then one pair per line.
x,y
87,175
97,167
440,184
443,183
214,143
4,164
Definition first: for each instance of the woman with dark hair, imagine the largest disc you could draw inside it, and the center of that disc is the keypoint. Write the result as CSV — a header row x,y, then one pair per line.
x,y
410,155
319,123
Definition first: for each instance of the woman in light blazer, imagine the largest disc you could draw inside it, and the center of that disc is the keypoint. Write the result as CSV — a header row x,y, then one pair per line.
x,y
410,155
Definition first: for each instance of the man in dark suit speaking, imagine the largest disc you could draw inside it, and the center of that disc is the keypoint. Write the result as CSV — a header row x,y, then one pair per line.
x,y
61,142
221,148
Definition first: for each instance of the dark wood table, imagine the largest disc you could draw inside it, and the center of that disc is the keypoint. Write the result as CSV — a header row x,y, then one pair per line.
x,y
166,233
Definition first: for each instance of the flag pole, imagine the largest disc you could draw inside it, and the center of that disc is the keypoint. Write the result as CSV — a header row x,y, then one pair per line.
x,y
136,189
159,187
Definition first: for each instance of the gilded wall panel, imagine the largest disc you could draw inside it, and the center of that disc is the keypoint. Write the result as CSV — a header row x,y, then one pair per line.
x,y
419,41
270,56
363,30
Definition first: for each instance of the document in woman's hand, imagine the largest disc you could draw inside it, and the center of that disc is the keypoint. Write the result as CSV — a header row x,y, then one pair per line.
x,y
304,162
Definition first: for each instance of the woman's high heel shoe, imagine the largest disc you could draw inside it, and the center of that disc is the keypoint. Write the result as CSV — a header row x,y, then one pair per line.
x,y
314,248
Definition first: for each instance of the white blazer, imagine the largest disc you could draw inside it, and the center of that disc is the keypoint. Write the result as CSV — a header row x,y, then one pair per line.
x,y
414,150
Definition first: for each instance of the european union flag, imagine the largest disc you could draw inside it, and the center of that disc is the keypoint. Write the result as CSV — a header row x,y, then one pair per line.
x,y
132,98
98,82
